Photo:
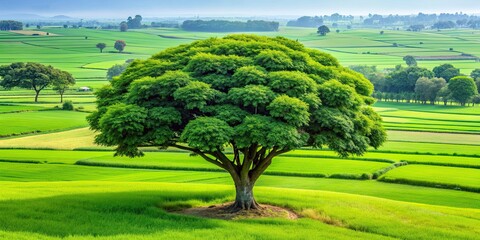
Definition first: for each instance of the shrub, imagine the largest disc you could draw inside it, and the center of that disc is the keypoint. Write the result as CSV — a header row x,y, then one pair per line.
x,y
67,105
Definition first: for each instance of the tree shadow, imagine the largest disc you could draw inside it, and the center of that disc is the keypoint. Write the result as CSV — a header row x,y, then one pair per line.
x,y
105,214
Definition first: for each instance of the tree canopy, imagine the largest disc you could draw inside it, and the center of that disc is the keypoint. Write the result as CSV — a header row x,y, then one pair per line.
x,y
323,30
101,46
410,61
34,76
254,97
446,71
462,89
120,45
8,25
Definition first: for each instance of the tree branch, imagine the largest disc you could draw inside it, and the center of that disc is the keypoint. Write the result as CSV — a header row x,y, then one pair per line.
x,y
202,154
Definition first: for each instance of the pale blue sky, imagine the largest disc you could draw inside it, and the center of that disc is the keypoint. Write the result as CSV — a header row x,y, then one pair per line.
x,y
157,8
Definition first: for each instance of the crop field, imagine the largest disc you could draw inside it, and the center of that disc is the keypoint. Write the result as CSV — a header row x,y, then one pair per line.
x,y
56,183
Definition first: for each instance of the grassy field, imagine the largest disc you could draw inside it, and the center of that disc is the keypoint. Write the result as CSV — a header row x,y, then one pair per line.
x,y
31,122
428,171
139,212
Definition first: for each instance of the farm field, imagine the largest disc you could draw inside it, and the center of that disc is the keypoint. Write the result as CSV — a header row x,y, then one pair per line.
x,y
58,184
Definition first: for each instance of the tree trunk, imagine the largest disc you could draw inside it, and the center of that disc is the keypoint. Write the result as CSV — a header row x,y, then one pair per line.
x,y
61,98
244,199
36,95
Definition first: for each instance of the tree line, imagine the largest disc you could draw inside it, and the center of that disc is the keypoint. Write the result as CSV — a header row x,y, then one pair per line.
x,y
8,25
420,85
230,26
413,22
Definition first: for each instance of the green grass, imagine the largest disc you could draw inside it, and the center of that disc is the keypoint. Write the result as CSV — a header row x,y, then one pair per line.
x,y
29,122
436,176
66,140
435,148
136,210
409,136
17,108
50,173
446,160
182,161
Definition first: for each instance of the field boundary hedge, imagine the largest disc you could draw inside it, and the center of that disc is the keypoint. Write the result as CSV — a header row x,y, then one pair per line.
x,y
430,184
442,164
21,161
381,172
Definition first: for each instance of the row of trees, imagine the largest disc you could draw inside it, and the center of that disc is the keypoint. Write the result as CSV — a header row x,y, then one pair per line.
x,y
461,89
421,85
119,45
229,26
35,76
8,25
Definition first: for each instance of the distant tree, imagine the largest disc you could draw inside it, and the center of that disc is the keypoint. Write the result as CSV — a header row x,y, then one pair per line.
x,y
8,25
475,73
427,88
205,101
410,61
323,30
229,26
337,31
27,25
477,82
382,32
65,26
371,73
476,99
62,82
444,25
28,75
306,21
116,70
39,26
444,95
462,89
120,45
446,71
404,79
134,23
123,27
416,27
101,46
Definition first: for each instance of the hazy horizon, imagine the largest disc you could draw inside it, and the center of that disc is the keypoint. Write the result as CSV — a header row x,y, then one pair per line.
x,y
225,8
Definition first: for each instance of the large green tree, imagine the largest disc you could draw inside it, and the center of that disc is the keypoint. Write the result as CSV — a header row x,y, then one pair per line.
x,y
62,82
238,102
120,45
34,76
410,60
323,30
427,89
462,89
446,71
404,79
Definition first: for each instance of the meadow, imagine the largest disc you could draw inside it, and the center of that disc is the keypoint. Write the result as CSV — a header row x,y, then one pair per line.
x,y
423,183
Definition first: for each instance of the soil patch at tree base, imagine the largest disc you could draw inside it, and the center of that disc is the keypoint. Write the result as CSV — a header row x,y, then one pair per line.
x,y
222,211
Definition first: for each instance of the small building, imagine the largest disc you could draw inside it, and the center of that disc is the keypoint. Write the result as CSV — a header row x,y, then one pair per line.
x,y
84,89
